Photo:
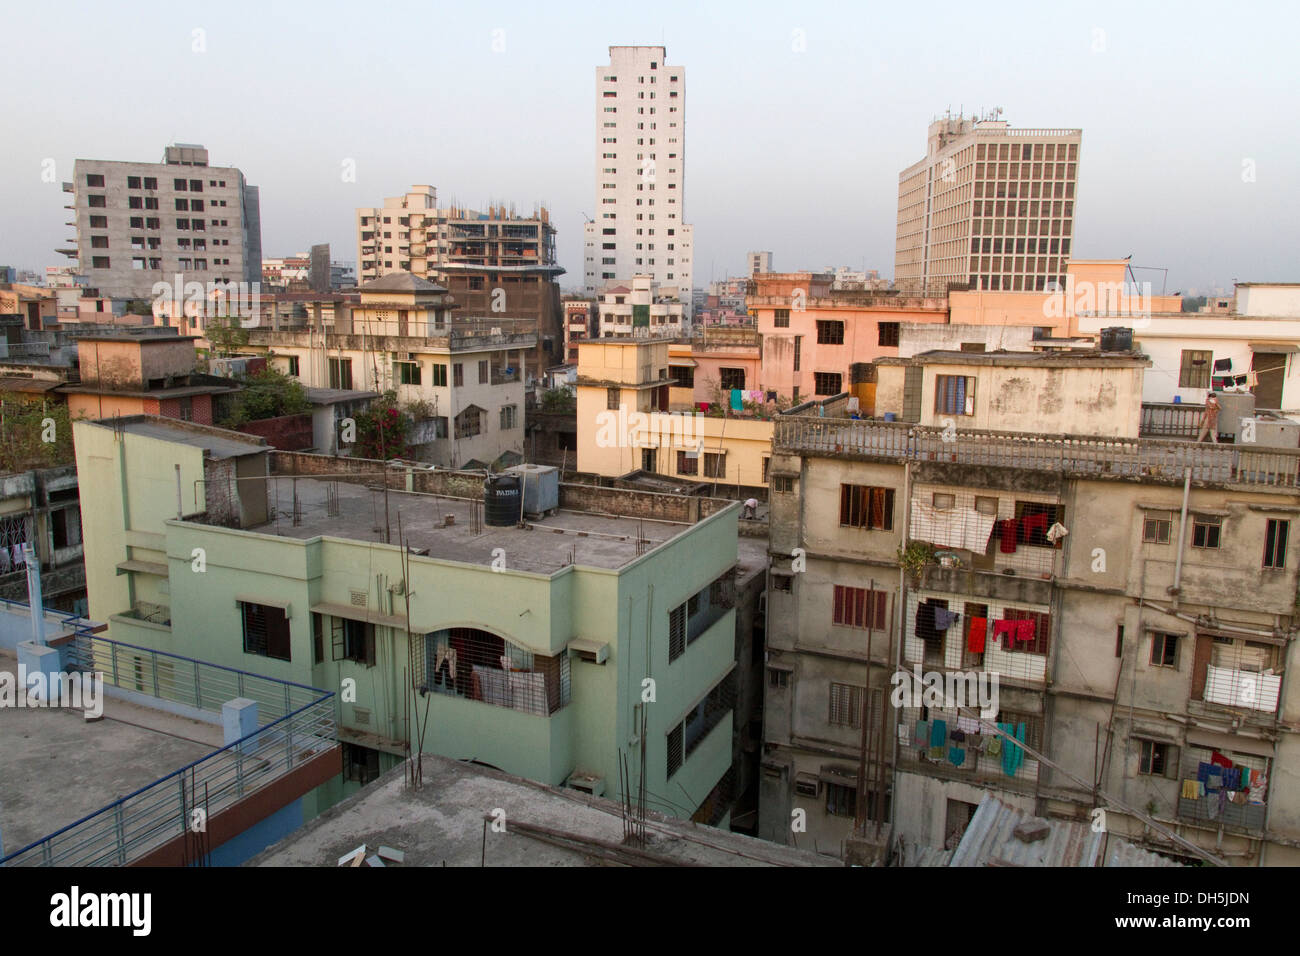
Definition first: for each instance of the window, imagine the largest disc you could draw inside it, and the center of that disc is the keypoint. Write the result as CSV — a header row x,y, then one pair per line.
x,y
293,365
685,376
676,632
862,506
408,373
782,319
798,348
101,222
1275,535
687,464
509,418
731,378
469,422
340,370
352,641
150,182
99,262
94,179
180,185
266,631
858,607
1042,630
888,333
483,374
715,464
778,678
1156,758
845,706
1194,371
1156,528
99,242
827,383
360,764
1164,649
96,202
954,395
782,582
439,375
783,484
1206,531
699,721
841,799
613,398
1035,519
830,332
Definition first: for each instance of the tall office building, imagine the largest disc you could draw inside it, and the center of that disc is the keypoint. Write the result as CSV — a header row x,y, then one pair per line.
x,y
141,223
638,225
989,206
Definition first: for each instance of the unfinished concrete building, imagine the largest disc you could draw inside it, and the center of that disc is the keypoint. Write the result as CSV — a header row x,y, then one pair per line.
x,y
1134,596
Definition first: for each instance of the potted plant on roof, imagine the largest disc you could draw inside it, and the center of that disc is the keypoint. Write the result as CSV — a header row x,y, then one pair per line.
x,y
913,559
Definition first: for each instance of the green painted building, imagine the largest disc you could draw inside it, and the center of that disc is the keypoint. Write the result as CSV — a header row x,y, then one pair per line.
x,y
538,649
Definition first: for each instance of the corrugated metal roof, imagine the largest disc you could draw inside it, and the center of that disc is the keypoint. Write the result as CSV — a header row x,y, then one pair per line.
x,y
990,840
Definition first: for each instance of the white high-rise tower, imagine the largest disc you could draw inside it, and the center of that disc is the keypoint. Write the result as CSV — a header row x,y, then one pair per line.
x,y
638,223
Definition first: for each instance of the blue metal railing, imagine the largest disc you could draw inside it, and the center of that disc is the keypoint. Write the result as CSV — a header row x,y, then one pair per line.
x,y
296,722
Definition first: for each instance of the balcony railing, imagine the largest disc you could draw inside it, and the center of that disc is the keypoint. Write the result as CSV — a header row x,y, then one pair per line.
x,y
1170,420
1075,455
14,351
296,723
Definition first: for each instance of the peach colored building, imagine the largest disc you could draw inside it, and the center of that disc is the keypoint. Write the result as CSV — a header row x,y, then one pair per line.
x,y
140,375
36,304
813,335
1094,287
708,365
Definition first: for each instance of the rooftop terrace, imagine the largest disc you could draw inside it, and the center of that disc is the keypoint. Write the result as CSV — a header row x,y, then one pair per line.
x,y
543,546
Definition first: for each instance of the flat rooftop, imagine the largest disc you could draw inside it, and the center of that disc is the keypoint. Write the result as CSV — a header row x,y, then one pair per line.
x,y
441,824
544,546
216,442
56,767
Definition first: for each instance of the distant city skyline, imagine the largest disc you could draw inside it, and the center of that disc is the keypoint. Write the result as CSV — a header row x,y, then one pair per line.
x,y
801,120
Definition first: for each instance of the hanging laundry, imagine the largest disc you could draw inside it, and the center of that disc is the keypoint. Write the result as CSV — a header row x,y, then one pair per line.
x,y
1252,378
1031,525
976,634
1008,531
755,395
1203,771
921,735
925,627
1012,755
938,733
1222,365
958,735
944,618
1024,630
956,756
968,725
737,400
994,746
1219,760
702,406
1004,629
1191,790
1056,532
936,753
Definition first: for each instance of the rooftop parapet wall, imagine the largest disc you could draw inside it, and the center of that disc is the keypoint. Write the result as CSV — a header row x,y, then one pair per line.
x,y
1139,460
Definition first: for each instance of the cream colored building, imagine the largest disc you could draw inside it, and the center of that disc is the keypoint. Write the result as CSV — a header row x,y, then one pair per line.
x,y
624,422
989,205
401,337
1160,625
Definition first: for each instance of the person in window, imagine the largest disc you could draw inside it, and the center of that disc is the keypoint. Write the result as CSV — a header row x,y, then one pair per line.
x,y
1210,420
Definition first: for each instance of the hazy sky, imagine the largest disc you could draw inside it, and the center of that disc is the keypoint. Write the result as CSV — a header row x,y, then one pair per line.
x,y
794,151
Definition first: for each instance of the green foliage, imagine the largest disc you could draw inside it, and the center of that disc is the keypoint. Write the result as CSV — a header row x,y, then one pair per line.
x,y
225,334
24,428
382,430
267,394
914,557
558,400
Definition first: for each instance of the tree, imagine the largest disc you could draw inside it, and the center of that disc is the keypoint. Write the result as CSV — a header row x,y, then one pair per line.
x,y
382,430
267,394
225,334
34,435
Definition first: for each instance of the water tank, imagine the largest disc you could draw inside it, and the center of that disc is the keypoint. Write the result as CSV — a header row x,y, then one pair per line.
x,y
1117,338
541,488
501,500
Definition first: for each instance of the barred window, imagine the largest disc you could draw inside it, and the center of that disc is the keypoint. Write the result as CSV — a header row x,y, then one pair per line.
x,y
266,631
858,607
830,332
846,705
862,506
478,665
954,395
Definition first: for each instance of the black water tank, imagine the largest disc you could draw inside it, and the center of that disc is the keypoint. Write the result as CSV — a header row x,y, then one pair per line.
x,y
1117,338
501,500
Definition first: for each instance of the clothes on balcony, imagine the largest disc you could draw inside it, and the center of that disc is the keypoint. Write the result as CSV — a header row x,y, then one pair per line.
x,y
1008,529
962,528
956,756
936,753
977,634
1192,789
1222,365
921,735
1033,524
737,400
1012,755
1002,628
958,736
938,733
944,618
1258,785
1219,760
994,745
968,725
1056,532
925,628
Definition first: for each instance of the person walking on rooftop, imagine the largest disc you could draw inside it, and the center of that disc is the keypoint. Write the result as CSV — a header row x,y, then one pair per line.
x,y
1210,419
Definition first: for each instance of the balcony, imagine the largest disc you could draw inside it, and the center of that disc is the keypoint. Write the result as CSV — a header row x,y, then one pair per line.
x,y
1084,456
296,724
